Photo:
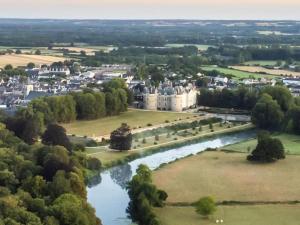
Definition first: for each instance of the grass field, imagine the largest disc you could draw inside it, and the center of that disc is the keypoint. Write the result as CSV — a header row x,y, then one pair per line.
x,y
233,215
229,176
290,142
23,59
237,73
90,50
257,69
134,118
200,47
261,63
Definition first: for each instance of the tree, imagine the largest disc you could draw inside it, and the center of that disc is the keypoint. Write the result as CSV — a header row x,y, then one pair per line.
x,y
267,113
281,94
294,119
56,135
205,206
38,52
8,67
30,65
121,139
267,150
18,51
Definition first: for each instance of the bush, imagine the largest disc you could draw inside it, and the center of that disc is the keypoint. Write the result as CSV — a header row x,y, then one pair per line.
x,y
205,206
156,137
144,141
167,121
149,124
91,143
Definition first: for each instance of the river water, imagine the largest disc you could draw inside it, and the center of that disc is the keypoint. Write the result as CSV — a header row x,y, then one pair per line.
x,y
109,197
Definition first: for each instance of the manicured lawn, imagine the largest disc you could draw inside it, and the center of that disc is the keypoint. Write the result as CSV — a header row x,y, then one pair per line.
x,y
237,73
107,156
259,69
135,118
290,142
229,176
233,215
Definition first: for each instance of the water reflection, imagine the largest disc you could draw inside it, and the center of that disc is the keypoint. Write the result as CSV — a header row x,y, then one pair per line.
x,y
95,180
121,174
110,198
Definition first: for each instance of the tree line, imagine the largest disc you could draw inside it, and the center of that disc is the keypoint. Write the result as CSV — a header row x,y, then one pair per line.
x,y
29,123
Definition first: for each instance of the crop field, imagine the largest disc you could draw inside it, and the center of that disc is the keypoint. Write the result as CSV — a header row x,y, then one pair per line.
x,y
90,50
257,69
238,74
229,177
290,142
23,59
232,215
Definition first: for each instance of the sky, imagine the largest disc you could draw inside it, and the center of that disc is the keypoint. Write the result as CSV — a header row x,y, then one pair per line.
x,y
152,9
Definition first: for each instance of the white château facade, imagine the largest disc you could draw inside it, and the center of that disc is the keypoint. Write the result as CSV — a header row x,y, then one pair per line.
x,y
170,98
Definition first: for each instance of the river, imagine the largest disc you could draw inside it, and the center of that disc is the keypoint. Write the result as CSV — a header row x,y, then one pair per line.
x,y
109,197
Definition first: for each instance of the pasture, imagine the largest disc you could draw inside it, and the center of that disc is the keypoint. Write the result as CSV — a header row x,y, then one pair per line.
x,y
229,177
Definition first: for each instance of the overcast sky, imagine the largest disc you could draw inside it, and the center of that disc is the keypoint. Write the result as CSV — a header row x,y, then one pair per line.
x,y
154,9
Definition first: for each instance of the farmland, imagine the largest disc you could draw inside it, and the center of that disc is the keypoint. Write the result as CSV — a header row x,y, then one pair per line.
x,y
23,59
258,69
238,74
200,47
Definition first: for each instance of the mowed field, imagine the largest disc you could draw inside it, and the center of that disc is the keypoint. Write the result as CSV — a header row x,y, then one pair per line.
x,y
238,74
90,50
232,215
134,118
257,69
229,176
23,59
290,142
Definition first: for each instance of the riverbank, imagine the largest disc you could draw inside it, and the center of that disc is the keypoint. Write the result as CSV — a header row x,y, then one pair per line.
x,y
112,208
111,158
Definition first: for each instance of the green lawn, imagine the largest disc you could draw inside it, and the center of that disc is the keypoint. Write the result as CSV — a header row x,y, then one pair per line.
x,y
237,73
135,119
261,63
290,142
232,215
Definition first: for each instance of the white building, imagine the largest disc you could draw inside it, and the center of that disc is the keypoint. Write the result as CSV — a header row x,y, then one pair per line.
x,y
170,98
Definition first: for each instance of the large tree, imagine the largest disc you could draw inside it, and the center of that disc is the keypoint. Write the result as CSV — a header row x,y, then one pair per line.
x,y
121,138
267,113
268,149
56,135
